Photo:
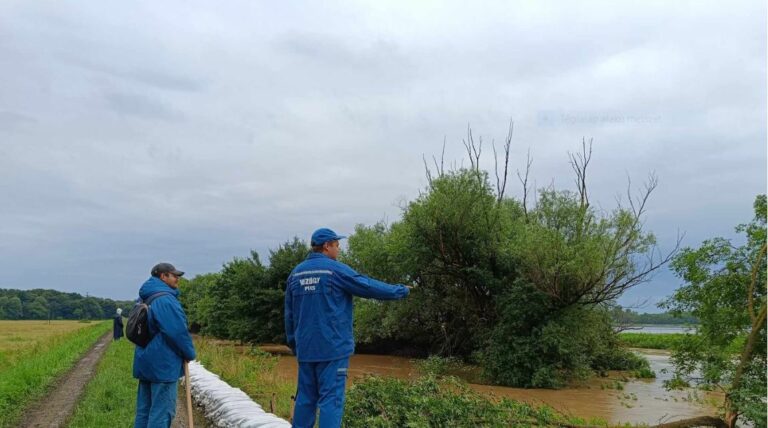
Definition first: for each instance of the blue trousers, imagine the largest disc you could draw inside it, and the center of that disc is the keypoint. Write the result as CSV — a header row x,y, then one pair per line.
x,y
155,404
321,385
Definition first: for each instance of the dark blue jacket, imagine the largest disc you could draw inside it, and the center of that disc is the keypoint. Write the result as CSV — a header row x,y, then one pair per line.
x,y
318,307
163,357
117,326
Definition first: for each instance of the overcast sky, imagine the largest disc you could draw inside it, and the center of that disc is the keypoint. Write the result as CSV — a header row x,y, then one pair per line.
x,y
193,132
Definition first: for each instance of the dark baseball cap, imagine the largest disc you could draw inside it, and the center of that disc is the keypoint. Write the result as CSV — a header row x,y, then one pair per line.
x,y
162,268
321,236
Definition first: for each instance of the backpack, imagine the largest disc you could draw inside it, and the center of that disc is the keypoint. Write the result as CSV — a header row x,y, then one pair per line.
x,y
137,328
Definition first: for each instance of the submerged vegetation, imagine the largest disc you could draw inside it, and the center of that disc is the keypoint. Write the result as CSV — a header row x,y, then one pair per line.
x,y
651,340
431,401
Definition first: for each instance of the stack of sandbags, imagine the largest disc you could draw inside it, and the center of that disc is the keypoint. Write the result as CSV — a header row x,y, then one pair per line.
x,y
226,406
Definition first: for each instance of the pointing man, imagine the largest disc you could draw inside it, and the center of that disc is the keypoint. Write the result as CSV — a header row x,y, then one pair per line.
x,y
318,325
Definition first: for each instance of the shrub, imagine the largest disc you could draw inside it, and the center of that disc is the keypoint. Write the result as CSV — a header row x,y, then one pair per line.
x,y
534,348
432,402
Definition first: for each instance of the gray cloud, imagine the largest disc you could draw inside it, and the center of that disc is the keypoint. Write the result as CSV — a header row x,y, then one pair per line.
x,y
141,106
194,134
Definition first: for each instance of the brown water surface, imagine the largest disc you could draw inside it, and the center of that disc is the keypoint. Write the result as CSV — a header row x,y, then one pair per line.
x,y
639,401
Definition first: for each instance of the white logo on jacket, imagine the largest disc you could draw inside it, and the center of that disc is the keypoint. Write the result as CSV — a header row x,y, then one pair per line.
x,y
309,283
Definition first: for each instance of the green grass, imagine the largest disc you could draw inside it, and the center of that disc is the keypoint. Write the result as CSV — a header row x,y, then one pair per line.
x,y
110,397
651,341
19,338
38,365
436,401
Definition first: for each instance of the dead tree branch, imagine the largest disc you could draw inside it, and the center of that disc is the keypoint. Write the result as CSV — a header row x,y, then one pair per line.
x,y
524,182
501,183
579,163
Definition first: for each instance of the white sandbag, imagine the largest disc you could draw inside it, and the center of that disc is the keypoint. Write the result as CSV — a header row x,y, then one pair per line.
x,y
225,406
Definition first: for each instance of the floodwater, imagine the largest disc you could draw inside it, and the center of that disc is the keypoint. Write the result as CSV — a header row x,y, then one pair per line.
x,y
638,401
661,328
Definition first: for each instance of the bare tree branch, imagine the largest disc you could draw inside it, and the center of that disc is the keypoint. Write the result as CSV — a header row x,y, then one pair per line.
x,y
579,163
501,183
524,182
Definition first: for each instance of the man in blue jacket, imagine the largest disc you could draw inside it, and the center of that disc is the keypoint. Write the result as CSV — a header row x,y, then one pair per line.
x,y
318,326
160,364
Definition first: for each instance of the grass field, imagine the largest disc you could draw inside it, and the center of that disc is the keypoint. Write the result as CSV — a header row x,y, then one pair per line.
x,y
35,353
18,336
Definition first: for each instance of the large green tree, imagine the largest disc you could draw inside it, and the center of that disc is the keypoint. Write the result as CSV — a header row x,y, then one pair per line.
x,y
725,288
521,285
244,301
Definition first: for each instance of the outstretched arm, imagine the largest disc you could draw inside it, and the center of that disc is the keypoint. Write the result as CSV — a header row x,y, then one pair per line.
x,y
363,286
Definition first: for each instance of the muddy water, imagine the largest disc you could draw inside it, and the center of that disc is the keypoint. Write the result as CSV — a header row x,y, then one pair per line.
x,y
640,401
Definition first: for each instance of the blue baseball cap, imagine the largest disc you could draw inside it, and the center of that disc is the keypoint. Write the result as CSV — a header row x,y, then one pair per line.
x,y
321,236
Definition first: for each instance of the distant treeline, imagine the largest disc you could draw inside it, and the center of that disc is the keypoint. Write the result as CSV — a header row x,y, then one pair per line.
x,y
39,304
629,317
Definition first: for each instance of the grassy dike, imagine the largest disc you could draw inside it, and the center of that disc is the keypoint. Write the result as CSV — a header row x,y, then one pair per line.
x,y
37,367
110,397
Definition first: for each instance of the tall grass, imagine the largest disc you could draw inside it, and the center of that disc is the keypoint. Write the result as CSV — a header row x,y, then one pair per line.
x,y
251,370
110,398
36,367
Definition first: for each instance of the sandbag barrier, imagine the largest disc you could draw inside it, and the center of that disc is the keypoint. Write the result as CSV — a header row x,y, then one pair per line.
x,y
225,406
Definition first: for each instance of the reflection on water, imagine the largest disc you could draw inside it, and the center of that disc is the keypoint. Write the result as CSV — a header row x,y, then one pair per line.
x,y
640,401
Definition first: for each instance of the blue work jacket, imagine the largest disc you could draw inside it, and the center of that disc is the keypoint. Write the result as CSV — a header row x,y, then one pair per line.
x,y
318,307
162,360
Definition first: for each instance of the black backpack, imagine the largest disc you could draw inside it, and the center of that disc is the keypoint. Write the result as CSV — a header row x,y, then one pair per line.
x,y
137,328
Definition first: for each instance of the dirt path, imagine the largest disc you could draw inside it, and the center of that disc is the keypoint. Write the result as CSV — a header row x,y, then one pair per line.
x,y
54,409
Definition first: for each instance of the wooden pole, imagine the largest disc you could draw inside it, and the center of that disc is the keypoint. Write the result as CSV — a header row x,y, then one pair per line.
x,y
188,387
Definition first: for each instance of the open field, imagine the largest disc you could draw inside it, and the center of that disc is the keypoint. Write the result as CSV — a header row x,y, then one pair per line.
x,y
16,336
34,355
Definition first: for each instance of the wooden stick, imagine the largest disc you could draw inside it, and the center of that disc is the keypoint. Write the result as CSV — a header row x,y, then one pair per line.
x,y
190,419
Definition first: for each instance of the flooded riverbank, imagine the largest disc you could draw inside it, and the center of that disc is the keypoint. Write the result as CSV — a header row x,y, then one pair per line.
x,y
614,398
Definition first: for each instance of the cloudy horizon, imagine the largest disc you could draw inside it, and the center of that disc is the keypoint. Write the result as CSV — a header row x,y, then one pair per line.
x,y
132,133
